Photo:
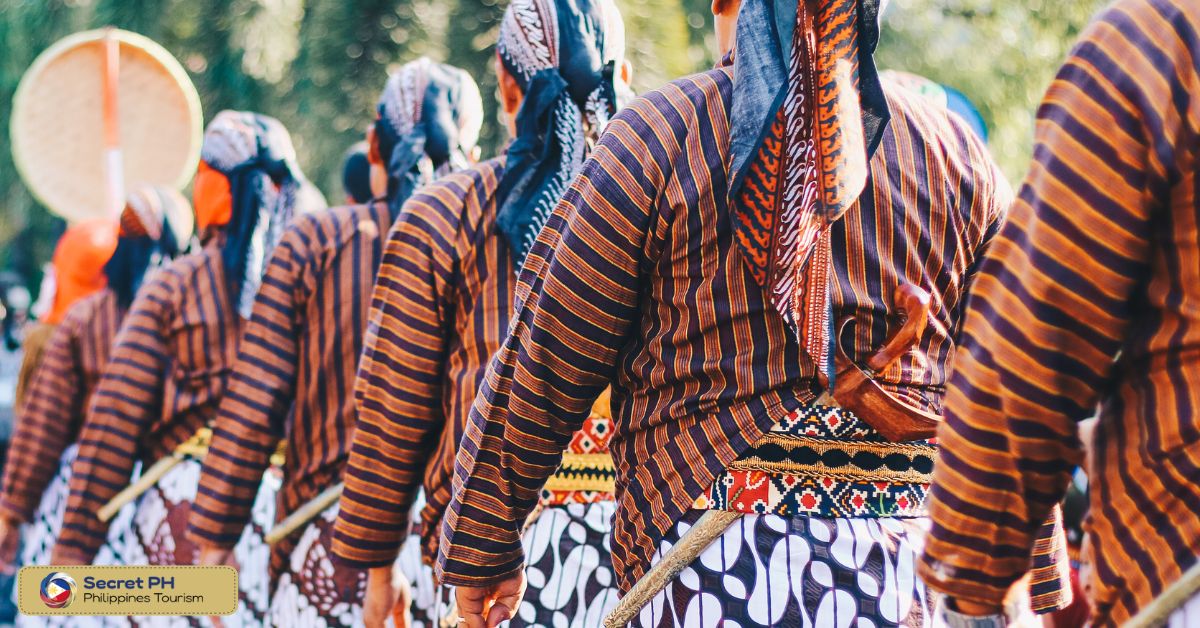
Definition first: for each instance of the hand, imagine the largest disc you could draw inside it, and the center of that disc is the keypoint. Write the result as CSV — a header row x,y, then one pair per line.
x,y
387,595
214,556
488,606
10,540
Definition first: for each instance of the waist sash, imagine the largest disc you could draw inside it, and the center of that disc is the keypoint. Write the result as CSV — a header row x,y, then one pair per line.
x,y
823,461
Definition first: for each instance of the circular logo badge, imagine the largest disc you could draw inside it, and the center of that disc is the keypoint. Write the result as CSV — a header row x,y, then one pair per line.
x,y
58,590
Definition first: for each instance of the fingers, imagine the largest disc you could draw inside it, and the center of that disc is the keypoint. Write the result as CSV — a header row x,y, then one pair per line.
x,y
213,556
380,595
499,613
508,597
471,602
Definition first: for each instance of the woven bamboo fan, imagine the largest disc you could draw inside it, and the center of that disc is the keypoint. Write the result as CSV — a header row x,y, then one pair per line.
x,y
100,112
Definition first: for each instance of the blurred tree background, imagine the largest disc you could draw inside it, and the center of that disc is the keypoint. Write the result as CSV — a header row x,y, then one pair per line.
x,y
318,65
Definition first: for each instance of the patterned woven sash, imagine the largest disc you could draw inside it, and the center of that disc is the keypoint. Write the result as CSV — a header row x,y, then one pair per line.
x,y
822,461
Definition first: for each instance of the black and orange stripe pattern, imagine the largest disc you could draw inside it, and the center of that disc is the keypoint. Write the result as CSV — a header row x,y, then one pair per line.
x,y
636,281
1090,298
294,374
165,375
50,421
442,303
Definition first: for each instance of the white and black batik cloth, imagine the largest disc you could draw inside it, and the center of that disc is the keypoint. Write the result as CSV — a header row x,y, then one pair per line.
x,y
40,533
568,573
38,537
315,591
431,603
160,527
767,570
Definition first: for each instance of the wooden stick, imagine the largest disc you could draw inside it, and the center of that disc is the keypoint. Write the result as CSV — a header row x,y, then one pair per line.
x,y
143,484
305,513
712,525
1159,610
194,447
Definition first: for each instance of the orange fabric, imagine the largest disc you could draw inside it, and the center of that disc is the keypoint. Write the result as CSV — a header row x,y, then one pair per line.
x,y
212,197
79,261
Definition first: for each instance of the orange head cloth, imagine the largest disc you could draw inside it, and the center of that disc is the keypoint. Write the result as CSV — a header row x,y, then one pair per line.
x,y
79,260
212,198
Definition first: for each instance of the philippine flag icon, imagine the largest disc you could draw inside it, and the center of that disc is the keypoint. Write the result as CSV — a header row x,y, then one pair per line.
x,y
58,590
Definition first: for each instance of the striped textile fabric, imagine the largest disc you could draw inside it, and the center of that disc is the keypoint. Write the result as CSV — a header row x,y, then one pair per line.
x,y
1089,298
442,302
294,375
641,286
166,372
50,420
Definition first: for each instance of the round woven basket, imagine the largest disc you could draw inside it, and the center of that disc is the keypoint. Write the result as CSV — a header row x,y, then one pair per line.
x,y
57,128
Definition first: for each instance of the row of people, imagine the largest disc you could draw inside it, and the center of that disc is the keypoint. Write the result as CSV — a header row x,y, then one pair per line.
x,y
764,266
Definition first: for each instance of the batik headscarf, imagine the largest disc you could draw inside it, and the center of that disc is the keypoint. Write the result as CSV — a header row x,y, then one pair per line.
x,y
429,120
156,226
266,189
565,55
807,112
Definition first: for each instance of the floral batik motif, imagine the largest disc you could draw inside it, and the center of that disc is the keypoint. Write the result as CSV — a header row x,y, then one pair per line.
x,y
160,527
38,537
767,570
569,567
315,591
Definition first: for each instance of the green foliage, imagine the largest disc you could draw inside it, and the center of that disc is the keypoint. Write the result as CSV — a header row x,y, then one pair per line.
x,y
1002,55
318,65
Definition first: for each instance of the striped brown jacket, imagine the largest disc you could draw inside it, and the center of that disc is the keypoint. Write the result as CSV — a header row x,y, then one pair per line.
x,y
166,373
1090,298
58,395
638,284
294,375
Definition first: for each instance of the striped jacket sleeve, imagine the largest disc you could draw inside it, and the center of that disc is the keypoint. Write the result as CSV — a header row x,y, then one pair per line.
x,y
560,353
1049,312
261,390
398,391
45,424
126,403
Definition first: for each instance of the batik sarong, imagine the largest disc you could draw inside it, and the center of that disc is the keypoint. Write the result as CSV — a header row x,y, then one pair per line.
x,y
768,570
315,591
160,524
569,567
431,603
39,534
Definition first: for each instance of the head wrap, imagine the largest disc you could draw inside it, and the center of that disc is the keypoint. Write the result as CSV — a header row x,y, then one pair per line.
x,y
78,264
266,189
429,120
155,227
564,54
356,174
806,114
